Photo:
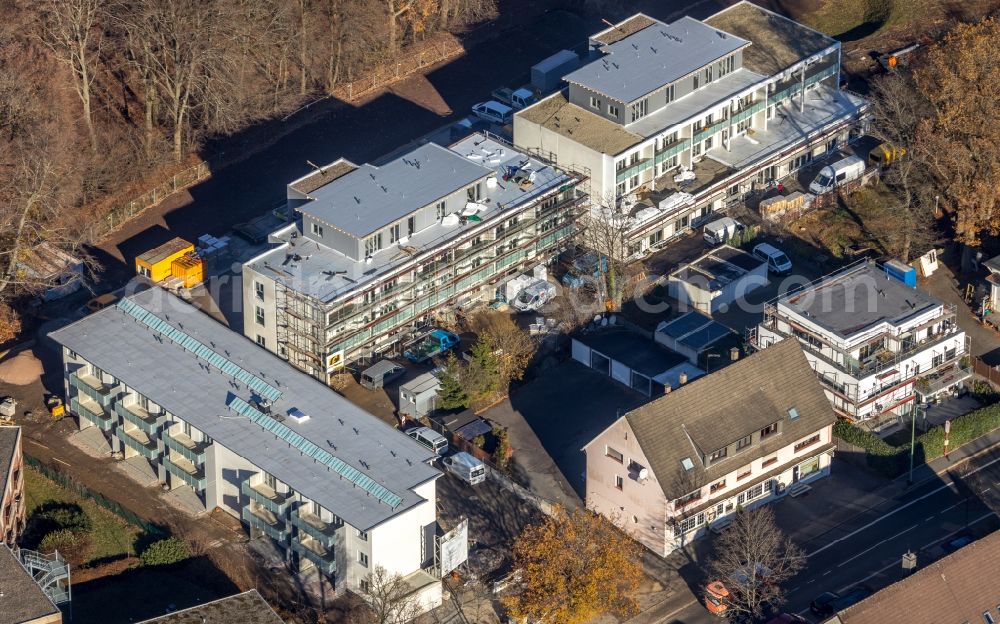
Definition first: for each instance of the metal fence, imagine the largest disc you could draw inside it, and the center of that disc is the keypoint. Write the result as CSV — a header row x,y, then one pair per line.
x,y
122,213
429,53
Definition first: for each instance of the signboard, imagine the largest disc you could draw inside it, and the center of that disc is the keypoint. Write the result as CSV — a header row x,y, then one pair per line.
x,y
454,547
334,361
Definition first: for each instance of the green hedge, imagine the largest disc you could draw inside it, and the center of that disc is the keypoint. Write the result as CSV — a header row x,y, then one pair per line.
x,y
893,461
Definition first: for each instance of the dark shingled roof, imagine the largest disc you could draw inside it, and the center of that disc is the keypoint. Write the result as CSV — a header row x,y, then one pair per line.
x,y
245,608
23,600
958,588
776,41
719,409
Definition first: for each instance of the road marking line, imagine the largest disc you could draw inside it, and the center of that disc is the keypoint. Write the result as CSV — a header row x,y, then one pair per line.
x,y
901,508
874,546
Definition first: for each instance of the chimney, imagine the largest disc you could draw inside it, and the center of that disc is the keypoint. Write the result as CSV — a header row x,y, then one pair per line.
x,y
734,354
682,378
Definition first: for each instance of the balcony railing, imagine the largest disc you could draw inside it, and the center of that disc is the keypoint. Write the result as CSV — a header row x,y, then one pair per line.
x,y
323,532
187,448
85,408
323,558
136,415
632,170
263,520
265,496
794,89
186,472
138,441
101,393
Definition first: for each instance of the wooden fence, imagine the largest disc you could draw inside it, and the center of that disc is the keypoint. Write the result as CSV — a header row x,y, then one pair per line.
x,y
981,368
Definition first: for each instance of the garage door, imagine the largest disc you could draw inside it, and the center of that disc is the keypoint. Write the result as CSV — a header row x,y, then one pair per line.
x,y
581,353
621,372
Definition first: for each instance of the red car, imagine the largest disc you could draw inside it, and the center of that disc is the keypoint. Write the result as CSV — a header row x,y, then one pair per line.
x,y
715,598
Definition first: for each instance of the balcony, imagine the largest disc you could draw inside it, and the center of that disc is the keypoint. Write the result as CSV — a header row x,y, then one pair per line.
x,y
672,149
185,471
98,391
639,167
265,496
88,410
323,558
266,522
187,448
138,441
323,532
142,419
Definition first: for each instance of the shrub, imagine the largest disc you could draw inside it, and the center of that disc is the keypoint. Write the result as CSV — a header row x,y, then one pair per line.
x,y
165,552
68,516
61,539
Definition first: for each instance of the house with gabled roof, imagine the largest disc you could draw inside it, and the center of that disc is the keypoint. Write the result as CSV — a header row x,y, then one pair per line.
x,y
744,436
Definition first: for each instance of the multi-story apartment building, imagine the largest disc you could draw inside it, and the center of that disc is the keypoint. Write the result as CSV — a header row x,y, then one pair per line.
x,y
742,436
737,101
12,507
874,341
376,251
334,487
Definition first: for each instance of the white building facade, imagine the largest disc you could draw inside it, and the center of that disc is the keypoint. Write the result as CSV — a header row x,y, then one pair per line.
x,y
235,428
876,344
687,118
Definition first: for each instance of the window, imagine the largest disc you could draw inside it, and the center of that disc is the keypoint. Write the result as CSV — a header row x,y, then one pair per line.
x,y
755,491
696,150
186,429
744,472
439,210
743,443
690,498
474,192
621,164
613,111
373,244
793,413
988,617
639,109
708,74
669,94
595,103
708,143
619,482
614,454
687,464
394,233
717,455
808,467
362,535
363,559
769,461
411,226
258,315
769,430
633,181
770,112
715,487
655,237
620,188
260,340
807,442
270,481
694,83
688,524
317,229
743,126
365,585
258,290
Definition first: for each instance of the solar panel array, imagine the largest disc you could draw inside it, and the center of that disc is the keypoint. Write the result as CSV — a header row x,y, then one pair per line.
x,y
309,449
193,345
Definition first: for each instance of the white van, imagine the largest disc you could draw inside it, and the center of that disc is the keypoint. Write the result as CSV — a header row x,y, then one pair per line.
x,y
777,262
465,467
429,438
721,230
494,112
837,174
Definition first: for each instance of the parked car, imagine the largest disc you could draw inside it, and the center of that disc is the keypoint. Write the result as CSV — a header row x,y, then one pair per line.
x,y
829,603
960,540
515,98
494,112
429,438
837,174
721,230
715,598
381,373
101,301
777,262
465,467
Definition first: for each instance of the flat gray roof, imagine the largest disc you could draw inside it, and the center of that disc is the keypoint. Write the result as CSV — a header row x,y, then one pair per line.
x,y
720,267
694,330
245,608
22,600
317,272
187,386
637,352
654,57
857,299
371,197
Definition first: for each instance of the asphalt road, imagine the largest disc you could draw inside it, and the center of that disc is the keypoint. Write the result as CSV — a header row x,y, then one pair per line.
x,y
869,549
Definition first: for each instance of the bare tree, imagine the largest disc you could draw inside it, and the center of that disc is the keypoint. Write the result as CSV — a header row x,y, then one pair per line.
x,y
753,558
605,232
72,29
390,599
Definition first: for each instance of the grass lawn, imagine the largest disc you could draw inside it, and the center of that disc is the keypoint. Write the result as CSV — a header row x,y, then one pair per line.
x,y
838,18
110,536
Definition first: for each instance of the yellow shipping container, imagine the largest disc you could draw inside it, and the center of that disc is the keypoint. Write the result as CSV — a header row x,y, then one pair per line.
x,y
156,264
190,269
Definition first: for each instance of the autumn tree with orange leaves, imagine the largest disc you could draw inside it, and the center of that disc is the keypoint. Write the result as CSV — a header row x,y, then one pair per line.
x,y
574,566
